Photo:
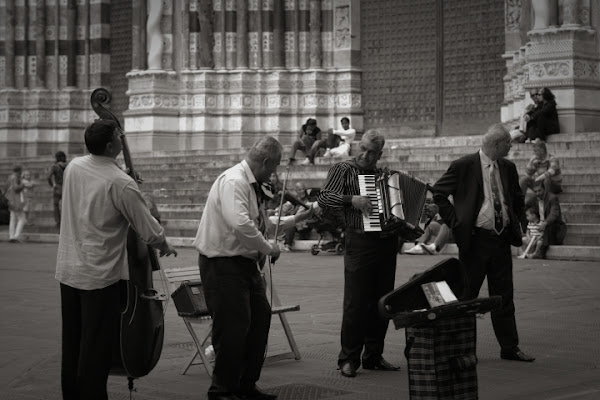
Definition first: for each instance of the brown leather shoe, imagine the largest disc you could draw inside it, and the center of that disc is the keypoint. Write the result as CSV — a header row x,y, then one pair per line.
x,y
516,355
379,365
348,370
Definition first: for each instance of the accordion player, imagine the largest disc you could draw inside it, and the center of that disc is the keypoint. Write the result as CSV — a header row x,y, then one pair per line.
x,y
398,200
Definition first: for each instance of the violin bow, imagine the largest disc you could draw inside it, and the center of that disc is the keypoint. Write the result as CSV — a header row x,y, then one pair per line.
x,y
287,175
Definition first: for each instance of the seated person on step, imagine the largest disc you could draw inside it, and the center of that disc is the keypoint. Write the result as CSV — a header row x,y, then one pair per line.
x,y
519,135
532,241
552,227
435,230
308,135
301,227
338,141
544,120
542,167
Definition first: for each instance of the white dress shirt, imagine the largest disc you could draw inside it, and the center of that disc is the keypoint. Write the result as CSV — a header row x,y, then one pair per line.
x,y
485,218
99,203
229,224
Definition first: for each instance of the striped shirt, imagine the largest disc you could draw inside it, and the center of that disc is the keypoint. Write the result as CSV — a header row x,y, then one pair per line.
x,y
534,229
341,185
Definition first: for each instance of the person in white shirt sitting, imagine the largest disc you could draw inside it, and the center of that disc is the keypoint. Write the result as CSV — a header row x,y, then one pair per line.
x,y
337,143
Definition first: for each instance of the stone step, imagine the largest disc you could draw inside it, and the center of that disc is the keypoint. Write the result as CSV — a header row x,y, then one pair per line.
x,y
565,252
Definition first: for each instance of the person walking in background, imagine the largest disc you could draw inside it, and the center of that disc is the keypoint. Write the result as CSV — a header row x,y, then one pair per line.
x,y
16,203
486,220
55,180
542,167
101,203
28,185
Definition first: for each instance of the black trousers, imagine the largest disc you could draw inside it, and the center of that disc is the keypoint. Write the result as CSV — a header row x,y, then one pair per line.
x,y
235,296
490,255
90,323
369,273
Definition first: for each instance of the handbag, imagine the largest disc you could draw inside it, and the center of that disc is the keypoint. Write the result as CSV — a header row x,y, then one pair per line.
x,y
16,201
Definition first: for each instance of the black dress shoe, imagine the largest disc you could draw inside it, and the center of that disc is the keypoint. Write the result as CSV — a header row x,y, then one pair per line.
x,y
348,370
379,365
223,396
516,355
255,394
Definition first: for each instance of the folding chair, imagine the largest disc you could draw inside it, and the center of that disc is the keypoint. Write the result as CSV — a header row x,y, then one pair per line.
x,y
176,276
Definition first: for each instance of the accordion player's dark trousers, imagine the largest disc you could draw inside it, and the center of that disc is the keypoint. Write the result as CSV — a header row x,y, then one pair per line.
x,y
490,255
369,273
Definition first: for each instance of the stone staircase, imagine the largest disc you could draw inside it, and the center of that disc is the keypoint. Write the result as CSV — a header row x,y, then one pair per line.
x,y
180,181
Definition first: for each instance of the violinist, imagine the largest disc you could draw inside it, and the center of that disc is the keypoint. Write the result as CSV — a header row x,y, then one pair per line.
x,y
231,241
100,202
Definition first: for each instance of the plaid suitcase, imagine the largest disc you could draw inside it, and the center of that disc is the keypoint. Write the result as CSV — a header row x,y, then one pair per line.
x,y
442,359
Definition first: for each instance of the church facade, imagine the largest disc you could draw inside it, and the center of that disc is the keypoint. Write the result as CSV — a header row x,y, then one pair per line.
x,y
202,74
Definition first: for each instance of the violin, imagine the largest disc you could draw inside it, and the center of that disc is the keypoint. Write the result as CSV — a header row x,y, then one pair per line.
x,y
268,192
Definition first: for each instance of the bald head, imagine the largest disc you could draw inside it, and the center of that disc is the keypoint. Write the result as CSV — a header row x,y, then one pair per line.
x,y
264,157
496,142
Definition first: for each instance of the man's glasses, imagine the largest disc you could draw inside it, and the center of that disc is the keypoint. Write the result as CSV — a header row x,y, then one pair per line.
x,y
534,94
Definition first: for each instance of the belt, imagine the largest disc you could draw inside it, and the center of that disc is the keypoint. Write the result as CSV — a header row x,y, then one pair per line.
x,y
489,232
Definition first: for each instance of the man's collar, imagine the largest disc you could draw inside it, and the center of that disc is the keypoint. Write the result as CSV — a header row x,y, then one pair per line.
x,y
484,158
248,171
105,159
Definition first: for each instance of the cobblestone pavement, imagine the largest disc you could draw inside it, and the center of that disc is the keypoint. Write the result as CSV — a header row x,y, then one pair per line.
x,y
558,308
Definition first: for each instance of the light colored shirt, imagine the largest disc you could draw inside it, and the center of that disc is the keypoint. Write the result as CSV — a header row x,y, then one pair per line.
x,y
534,229
346,135
485,218
229,224
99,203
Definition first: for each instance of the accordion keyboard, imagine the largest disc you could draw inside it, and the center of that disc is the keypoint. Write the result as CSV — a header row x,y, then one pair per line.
x,y
368,188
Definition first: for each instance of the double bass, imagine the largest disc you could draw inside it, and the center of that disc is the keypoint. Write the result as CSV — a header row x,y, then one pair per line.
x,y
141,330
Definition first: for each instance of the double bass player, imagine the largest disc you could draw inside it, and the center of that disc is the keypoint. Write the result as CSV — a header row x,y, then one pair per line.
x,y
100,202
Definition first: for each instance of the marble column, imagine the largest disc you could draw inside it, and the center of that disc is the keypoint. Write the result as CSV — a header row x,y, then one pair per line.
x,y
255,34
154,35
206,35
267,33
242,34
99,34
31,60
8,19
219,33
166,27
327,32
40,44
71,43
51,44
20,44
230,34
278,34
136,35
570,13
186,33
83,44
291,34
303,33
315,34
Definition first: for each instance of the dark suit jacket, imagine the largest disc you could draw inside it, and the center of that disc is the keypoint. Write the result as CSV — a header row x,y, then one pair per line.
x,y
463,180
552,212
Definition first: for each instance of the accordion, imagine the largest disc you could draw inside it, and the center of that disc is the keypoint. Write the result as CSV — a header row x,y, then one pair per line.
x,y
398,200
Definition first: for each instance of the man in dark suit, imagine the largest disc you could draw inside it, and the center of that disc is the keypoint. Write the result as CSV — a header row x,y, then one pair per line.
x,y
486,220
552,226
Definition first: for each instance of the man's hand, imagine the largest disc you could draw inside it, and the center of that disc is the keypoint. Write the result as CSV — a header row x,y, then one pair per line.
x,y
540,178
363,203
166,250
275,252
543,226
304,215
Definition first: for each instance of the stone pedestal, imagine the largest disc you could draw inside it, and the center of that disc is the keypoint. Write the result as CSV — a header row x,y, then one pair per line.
x,y
231,109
